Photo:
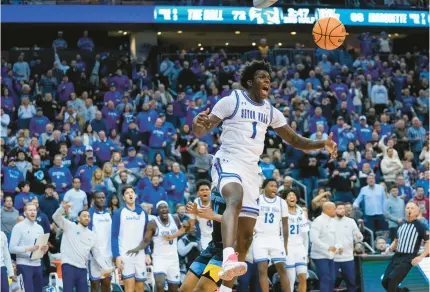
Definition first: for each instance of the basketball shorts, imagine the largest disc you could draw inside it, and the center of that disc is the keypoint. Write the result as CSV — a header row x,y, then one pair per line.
x,y
297,259
268,248
208,264
134,267
226,171
96,271
167,266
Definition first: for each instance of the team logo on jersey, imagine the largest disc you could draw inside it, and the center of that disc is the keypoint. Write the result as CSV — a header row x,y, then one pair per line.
x,y
258,201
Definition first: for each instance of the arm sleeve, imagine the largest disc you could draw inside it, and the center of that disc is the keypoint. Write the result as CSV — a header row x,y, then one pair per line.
x,y
116,222
227,106
278,119
95,251
14,241
6,256
59,219
357,235
183,249
315,233
284,209
358,200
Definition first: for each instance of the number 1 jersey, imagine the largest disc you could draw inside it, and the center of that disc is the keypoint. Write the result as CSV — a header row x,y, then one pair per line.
x,y
244,127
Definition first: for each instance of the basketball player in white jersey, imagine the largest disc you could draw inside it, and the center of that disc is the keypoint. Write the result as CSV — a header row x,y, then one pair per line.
x,y
203,201
101,225
298,243
271,235
246,115
164,231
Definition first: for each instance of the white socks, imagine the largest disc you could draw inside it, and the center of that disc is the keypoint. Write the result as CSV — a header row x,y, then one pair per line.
x,y
224,289
226,253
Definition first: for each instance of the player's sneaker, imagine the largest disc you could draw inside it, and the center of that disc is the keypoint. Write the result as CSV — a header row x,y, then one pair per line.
x,y
232,268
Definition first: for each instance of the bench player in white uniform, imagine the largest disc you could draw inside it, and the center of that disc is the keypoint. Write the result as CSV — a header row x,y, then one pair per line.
x,y
246,115
203,201
101,225
298,243
129,224
164,231
271,235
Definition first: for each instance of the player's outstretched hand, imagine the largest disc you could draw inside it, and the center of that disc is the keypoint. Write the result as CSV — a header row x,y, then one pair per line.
x,y
331,146
191,208
133,252
202,120
206,213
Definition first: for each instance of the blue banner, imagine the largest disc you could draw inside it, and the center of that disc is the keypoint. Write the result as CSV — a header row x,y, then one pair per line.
x,y
206,15
275,16
77,14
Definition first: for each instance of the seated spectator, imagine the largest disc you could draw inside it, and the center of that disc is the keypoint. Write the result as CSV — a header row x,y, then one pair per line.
x,y
380,245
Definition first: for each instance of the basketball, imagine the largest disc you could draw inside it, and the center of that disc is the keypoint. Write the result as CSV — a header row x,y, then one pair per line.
x,y
329,33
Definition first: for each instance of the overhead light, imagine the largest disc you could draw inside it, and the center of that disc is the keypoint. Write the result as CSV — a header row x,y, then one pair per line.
x,y
396,34
253,44
226,44
119,31
279,44
159,33
201,49
293,33
389,35
125,33
199,44
179,31
237,32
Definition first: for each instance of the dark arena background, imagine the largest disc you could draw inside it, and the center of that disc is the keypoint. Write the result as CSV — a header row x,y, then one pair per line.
x,y
139,71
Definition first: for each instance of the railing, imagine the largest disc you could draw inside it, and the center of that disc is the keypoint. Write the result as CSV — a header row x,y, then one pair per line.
x,y
376,4
189,57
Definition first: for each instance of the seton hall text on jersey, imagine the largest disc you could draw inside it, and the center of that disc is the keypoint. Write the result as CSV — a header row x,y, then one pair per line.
x,y
256,116
269,209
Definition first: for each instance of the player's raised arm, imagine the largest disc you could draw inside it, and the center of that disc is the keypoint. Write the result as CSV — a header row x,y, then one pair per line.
x,y
302,143
204,122
150,231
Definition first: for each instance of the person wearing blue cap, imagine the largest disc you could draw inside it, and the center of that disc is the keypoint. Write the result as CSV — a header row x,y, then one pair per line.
x,y
11,177
379,96
312,79
38,123
133,162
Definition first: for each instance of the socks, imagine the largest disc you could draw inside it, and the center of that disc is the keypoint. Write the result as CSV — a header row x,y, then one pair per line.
x,y
225,289
226,253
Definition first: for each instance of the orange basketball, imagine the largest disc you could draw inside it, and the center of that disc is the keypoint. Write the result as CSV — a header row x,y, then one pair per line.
x,y
329,33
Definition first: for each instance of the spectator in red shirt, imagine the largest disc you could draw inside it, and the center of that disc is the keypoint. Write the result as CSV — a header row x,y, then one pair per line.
x,y
422,202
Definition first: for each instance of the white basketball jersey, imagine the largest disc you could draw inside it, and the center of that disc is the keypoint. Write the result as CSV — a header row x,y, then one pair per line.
x,y
298,223
244,127
163,247
102,226
205,225
269,220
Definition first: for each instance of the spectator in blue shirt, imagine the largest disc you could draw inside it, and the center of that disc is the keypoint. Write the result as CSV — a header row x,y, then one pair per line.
x,y
364,132
85,43
112,95
338,87
64,89
314,80
21,69
405,192
11,177
298,83
157,141
145,121
38,123
59,43
153,194
325,64
111,116
49,202
373,195
416,136
317,119
266,166
176,184
99,123
85,173
23,197
104,147
133,162
61,176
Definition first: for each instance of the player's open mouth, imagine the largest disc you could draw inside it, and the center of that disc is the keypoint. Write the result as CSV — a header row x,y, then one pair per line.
x,y
265,89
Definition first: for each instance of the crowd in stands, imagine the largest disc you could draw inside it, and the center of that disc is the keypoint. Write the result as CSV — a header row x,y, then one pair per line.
x,y
75,127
